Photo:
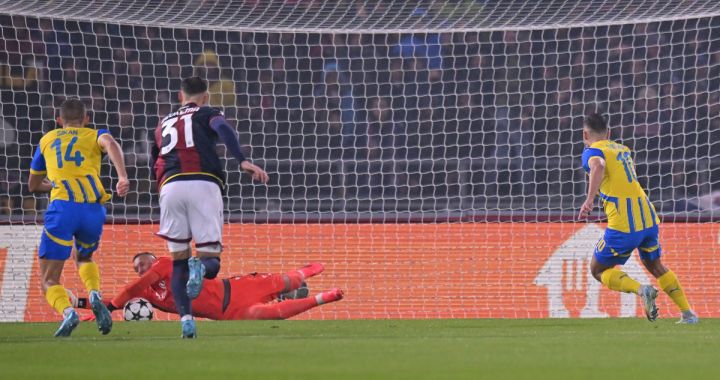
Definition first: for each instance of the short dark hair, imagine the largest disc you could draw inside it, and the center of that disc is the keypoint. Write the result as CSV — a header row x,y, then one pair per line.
x,y
72,111
143,254
193,86
596,123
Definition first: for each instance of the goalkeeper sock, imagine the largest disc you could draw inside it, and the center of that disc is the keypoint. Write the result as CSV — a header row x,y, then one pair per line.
x,y
311,270
57,297
282,310
90,276
178,284
619,281
332,295
671,286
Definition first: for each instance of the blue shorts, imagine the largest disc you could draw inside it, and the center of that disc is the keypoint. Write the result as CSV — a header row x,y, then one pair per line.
x,y
615,247
65,221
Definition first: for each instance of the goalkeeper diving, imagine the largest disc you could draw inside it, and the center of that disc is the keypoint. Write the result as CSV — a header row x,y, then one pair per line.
x,y
244,297
632,222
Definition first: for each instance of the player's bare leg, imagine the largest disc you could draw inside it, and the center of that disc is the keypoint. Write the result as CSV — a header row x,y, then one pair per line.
x,y
290,308
178,284
619,281
597,269
56,295
669,283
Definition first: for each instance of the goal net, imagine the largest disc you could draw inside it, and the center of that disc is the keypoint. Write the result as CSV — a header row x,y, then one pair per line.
x,y
428,152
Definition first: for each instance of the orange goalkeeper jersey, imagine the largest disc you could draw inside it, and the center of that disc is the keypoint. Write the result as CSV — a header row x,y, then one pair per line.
x,y
154,286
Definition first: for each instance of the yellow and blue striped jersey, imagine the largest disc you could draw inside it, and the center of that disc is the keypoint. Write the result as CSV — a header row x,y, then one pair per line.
x,y
627,207
70,158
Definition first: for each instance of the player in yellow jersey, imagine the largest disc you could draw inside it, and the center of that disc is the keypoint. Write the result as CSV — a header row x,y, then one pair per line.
x,y
632,221
66,164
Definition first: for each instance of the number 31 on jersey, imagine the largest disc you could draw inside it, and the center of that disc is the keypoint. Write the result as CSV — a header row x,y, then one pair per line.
x,y
169,127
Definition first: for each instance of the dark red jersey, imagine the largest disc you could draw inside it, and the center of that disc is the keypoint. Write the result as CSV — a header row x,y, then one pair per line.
x,y
184,146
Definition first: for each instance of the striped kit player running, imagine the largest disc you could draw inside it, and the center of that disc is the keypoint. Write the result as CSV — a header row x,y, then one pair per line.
x,y
190,179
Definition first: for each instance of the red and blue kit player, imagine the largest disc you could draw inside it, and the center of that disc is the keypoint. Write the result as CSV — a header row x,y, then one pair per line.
x,y
235,298
632,221
190,179
66,164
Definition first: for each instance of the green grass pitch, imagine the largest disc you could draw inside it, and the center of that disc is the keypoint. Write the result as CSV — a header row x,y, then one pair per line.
x,y
382,349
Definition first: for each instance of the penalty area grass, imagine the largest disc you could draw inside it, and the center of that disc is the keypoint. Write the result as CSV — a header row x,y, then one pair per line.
x,y
368,349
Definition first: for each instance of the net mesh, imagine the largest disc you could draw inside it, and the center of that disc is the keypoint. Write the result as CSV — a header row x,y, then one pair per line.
x,y
439,117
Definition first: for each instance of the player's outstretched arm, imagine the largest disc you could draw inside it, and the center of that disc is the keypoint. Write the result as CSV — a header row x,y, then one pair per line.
x,y
597,172
112,148
134,289
230,139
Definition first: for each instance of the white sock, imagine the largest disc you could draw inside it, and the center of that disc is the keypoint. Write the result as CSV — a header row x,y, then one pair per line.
x,y
67,311
186,317
319,300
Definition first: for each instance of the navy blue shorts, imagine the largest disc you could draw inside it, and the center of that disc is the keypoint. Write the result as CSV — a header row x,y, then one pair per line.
x,y
67,221
615,247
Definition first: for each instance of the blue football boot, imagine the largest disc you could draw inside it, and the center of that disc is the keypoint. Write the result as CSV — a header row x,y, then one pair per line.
x,y
688,318
102,314
195,279
69,323
648,294
188,329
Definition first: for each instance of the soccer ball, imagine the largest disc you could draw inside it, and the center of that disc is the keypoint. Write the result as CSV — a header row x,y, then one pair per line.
x,y
138,309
